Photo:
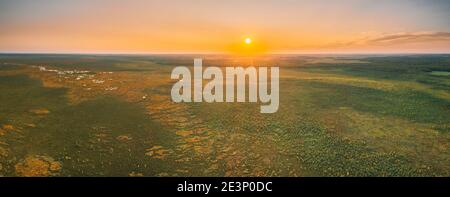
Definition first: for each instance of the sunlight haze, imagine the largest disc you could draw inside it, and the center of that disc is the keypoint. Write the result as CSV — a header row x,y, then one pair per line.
x,y
188,26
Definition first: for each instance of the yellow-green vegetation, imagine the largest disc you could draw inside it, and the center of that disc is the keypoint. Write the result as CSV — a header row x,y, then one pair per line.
x,y
87,115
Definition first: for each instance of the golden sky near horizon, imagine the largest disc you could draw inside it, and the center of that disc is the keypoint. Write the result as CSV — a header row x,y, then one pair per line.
x,y
186,26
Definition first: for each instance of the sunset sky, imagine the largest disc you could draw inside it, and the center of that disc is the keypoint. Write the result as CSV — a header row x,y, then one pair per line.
x,y
202,26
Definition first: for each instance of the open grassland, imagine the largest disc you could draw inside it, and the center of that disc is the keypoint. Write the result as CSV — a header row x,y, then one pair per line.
x,y
88,115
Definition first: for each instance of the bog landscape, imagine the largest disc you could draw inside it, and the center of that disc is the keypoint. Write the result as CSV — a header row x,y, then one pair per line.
x,y
112,115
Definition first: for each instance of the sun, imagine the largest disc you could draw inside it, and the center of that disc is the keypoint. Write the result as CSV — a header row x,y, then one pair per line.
x,y
248,40
248,45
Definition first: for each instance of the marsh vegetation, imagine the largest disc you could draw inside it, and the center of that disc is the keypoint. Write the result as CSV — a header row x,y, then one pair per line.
x,y
101,115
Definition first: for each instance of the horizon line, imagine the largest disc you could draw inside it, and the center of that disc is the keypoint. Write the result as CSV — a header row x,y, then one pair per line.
x,y
220,53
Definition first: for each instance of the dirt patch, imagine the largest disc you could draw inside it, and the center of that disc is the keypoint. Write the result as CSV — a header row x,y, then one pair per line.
x,y
3,152
124,138
134,174
184,132
40,111
8,127
38,165
157,152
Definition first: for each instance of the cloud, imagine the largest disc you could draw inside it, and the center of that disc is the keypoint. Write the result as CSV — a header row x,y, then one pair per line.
x,y
411,37
394,39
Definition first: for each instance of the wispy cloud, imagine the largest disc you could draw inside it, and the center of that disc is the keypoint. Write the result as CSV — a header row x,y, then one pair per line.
x,y
395,38
411,37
